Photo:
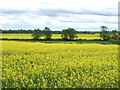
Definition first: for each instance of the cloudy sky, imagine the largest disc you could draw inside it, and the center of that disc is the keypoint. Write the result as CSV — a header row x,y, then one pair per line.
x,y
84,15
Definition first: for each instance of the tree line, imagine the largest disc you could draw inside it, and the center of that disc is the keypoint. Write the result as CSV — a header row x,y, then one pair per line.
x,y
67,34
54,32
71,34
109,35
37,33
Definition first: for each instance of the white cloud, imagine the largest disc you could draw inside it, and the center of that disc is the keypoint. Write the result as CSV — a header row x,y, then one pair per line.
x,y
58,14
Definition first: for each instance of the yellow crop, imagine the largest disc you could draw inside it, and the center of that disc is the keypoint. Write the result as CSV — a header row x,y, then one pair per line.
x,y
39,65
54,36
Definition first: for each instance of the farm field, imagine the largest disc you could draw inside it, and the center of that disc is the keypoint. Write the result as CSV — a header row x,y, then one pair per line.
x,y
59,44
54,36
58,65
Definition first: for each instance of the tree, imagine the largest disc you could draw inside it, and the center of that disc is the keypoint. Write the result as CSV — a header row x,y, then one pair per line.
x,y
104,27
37,33
69,33
114,34
72,33
104,34
64,34
47,33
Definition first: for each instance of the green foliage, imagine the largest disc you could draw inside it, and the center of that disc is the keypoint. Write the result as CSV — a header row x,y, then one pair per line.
x,y
104,27
113,41
114,35
47,33
105,35
69,33
37,33
64,34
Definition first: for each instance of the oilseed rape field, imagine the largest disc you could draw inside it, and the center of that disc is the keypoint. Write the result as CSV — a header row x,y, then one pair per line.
x,y
57,65
54,36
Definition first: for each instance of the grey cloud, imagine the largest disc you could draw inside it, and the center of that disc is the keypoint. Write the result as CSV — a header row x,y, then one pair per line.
x,y
11,11
53,13
105,12
81,21
59,12
63,12
89,21
18,25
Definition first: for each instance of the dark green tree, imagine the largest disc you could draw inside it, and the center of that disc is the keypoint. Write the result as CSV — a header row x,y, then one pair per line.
x,y
69,33
114,34
104,34
72,33
104,28
47,33
65,34
37,33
